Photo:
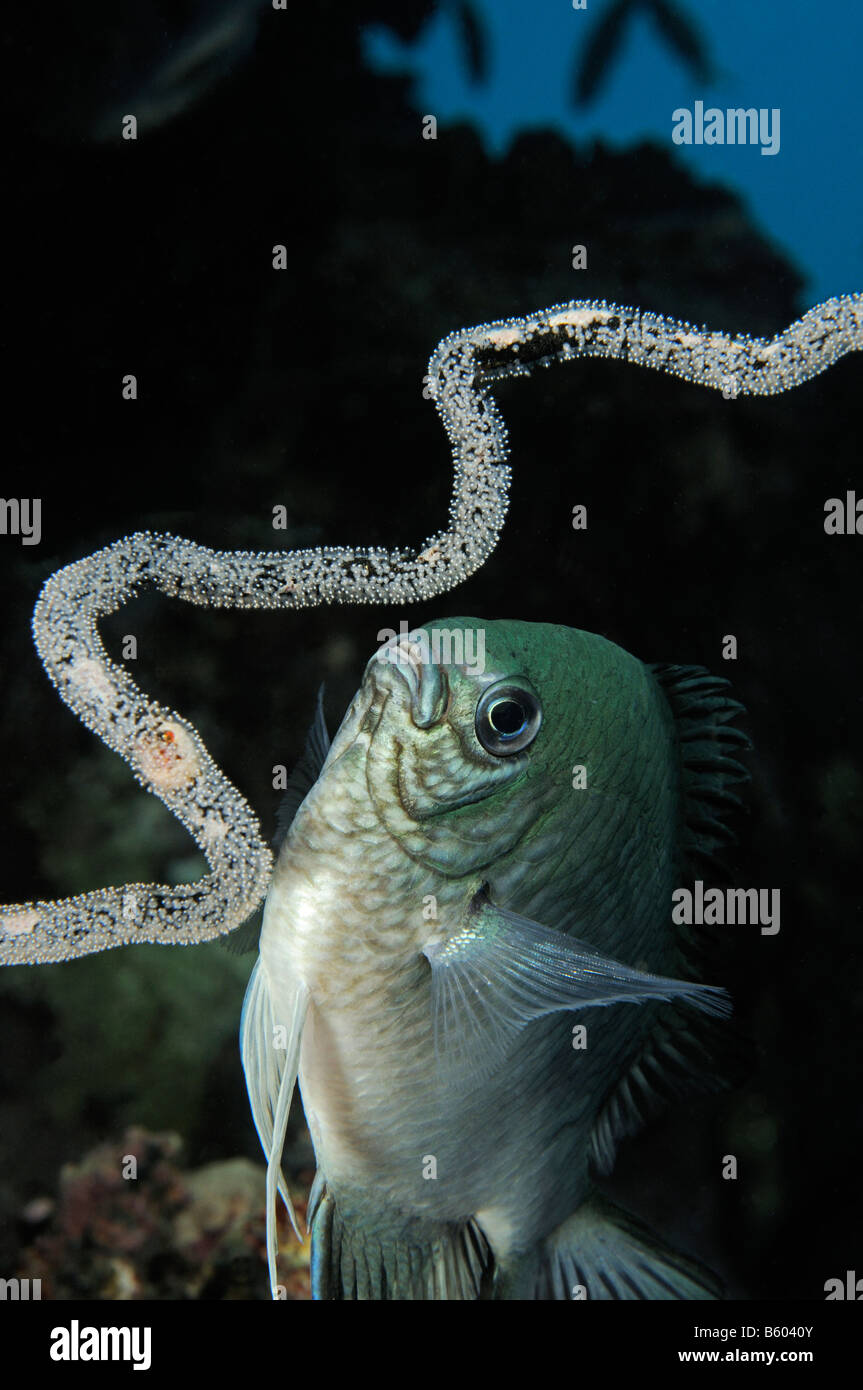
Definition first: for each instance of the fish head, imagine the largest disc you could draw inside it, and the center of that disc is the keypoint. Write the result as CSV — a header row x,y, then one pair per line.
x,y
469,732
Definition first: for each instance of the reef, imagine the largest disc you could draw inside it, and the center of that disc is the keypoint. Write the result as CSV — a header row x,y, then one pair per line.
x,y
130,1221
304,389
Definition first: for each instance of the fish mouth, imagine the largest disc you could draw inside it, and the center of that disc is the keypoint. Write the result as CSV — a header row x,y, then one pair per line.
x,y
398,664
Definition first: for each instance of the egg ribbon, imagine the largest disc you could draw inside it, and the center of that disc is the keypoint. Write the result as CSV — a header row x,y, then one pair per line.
x,y
165,751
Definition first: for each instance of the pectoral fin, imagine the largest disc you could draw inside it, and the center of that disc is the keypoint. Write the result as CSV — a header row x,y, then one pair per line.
x,y
270,1049
501,971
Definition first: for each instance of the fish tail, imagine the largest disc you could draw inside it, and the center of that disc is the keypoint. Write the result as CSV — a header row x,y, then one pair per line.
x,y
600,1252
403,1257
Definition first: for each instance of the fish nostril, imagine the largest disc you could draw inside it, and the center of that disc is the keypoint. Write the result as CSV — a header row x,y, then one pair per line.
x,y
431,699
395,657
426,682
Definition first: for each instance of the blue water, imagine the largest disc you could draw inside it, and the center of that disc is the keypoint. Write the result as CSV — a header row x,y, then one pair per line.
x,y
800,56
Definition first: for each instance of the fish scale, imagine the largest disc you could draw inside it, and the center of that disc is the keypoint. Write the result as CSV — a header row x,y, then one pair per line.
x,y
454,1121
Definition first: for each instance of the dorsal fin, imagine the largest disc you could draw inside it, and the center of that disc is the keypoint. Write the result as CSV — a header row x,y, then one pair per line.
x,y
710,772
680,1054
679,1059
244,939
305,774
299,783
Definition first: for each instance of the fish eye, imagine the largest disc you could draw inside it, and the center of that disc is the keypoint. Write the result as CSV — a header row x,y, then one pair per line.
x,y
507,719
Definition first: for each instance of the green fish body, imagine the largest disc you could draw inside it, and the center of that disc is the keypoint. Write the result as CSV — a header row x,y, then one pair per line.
x,y
482,869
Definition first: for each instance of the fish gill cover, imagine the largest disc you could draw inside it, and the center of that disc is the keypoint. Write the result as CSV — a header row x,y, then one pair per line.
x,y
230,299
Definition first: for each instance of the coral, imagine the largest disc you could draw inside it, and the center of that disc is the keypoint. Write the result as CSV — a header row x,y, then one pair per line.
x,y
163,1233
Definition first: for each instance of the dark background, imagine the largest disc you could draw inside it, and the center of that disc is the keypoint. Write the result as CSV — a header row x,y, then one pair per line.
x,y
304,388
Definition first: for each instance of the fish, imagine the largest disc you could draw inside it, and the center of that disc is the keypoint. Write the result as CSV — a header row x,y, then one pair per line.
x,y
468,962
672,24
99,63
